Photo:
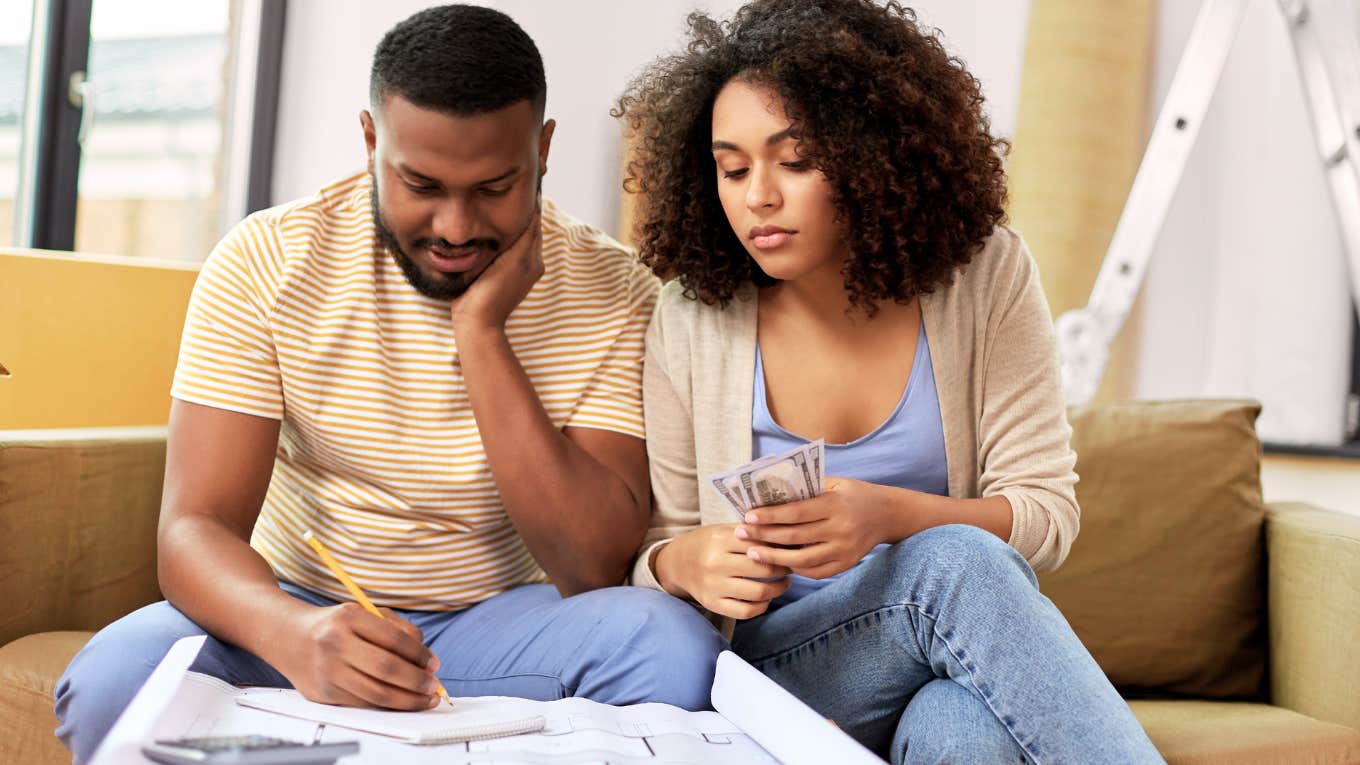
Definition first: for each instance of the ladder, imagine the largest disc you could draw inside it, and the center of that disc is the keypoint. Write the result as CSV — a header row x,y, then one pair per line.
x,y
1330,70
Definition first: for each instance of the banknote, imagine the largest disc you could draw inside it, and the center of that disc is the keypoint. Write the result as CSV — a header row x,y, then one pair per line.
x,y
730,492
773,480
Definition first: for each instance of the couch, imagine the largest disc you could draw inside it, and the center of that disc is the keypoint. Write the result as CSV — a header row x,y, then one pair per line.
x,y
1231,626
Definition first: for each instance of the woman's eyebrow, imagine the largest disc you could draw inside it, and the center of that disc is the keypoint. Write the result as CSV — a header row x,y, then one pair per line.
x,y
770,141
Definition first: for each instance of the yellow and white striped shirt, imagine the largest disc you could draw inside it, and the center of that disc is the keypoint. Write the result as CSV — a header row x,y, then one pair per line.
x,y
298,316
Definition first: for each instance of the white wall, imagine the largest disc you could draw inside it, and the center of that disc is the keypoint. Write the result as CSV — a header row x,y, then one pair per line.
x,y
591,48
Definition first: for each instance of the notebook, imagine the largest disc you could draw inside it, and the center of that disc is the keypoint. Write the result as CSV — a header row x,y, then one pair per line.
x,y
467,719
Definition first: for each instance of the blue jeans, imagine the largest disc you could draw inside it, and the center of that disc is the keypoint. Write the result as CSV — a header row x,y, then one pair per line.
x,y
941,649
623,645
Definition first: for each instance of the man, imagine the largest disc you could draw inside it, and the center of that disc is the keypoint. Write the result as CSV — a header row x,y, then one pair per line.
x,y
438,374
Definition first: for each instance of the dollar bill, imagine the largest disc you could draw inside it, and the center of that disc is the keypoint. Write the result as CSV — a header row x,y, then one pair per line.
x,y
814,452
773,480
731,493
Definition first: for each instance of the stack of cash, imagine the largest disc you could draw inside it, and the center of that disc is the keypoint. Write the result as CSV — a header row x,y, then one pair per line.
x,y
794,475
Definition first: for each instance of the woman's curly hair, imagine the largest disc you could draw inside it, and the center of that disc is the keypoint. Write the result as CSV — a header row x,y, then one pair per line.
x,y
894,123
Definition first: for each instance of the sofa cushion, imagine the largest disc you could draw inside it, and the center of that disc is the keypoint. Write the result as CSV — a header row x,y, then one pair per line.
x,y
1239,733
1164,584
78,511
29,669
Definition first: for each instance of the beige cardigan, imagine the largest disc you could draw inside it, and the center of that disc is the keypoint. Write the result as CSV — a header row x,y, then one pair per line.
x,y
996,369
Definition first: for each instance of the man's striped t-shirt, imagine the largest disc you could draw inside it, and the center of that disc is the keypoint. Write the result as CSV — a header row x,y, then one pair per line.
x,y
299,316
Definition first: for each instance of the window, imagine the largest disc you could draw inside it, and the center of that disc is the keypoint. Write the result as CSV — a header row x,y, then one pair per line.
x,y
150,130
16,23
151,155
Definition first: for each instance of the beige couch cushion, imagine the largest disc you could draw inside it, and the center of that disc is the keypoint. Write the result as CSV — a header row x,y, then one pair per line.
x,y
78,512
1165,581
1239,733
29,668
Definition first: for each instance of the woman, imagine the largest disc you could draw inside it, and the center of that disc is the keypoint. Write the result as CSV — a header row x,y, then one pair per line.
x,y
819,184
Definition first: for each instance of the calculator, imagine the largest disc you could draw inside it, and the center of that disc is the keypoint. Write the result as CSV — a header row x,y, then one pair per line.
x,y
245,750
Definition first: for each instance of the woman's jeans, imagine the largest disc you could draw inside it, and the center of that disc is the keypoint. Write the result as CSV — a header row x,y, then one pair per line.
x,y
941,649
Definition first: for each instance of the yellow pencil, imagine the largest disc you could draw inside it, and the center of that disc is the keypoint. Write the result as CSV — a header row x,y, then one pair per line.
x,y
359,596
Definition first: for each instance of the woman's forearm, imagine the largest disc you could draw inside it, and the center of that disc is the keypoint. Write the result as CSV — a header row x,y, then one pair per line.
x,y
915,511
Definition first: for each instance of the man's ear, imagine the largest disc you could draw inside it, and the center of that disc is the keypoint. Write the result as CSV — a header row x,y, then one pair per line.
x,y
370,135
545,143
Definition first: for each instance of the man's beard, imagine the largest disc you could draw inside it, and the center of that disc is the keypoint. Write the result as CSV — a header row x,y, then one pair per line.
x,y
444,287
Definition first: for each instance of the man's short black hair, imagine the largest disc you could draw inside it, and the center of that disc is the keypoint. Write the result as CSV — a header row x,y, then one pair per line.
x,y
460,60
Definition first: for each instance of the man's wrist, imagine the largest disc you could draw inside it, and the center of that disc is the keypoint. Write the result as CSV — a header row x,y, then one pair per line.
x,y
474,335
280,632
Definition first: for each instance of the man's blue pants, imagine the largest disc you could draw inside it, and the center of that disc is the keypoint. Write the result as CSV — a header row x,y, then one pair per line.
x,y
622,645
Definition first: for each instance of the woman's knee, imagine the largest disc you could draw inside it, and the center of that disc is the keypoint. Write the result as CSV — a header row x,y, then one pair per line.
x,y
962,553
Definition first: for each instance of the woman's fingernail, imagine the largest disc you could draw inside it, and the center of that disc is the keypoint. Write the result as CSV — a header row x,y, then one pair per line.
x,y
741,533
753,555
433,663
752,518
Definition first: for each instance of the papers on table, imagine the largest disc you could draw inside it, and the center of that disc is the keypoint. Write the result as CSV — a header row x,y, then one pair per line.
x,y
757,722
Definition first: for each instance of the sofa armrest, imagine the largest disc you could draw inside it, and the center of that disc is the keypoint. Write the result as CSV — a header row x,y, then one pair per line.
x,y
78,511
1313,559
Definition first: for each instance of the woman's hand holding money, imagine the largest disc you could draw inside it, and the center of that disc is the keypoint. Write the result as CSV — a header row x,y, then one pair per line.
x,y
710,565
827,534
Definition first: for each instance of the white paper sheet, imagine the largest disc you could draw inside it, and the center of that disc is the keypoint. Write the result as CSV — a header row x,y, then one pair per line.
x,y
786,727
463,720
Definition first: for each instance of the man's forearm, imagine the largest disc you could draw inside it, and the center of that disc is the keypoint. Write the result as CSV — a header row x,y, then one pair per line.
x,y
214,577
578,518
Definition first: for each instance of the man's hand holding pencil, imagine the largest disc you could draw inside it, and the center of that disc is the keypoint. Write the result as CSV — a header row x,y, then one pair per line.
x,y
355,654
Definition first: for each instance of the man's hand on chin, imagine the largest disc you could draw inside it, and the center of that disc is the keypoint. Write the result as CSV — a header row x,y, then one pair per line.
x,y
496,292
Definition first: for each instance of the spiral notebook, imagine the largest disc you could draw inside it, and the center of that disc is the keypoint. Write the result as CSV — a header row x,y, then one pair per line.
x,y
464,720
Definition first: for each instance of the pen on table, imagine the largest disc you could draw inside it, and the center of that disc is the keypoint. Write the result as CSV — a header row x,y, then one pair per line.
x,y
359,596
